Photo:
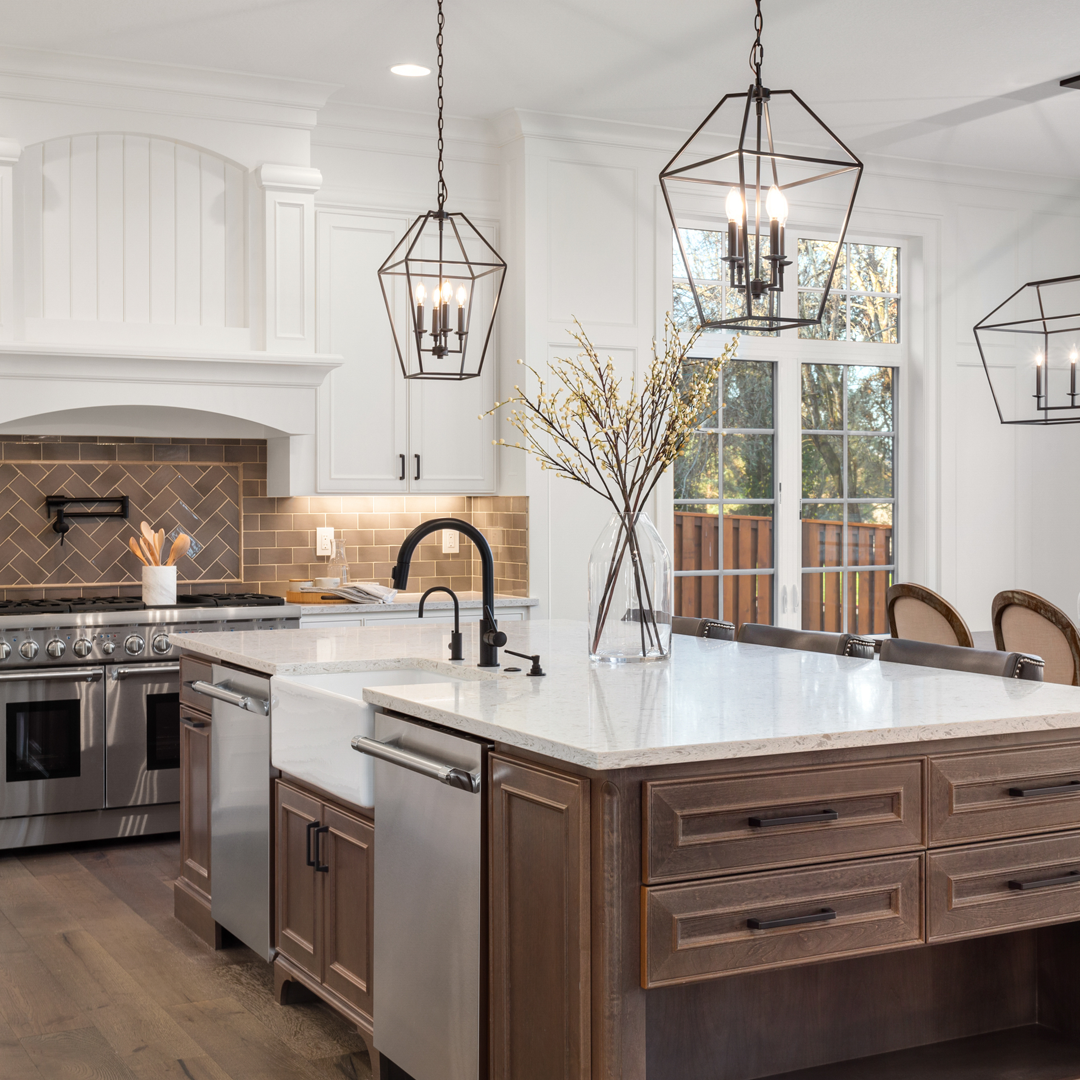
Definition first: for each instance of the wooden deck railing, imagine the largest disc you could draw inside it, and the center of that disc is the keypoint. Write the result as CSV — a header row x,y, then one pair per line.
x,y
748,545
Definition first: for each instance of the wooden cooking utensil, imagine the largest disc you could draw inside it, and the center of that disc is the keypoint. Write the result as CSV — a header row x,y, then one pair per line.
x,y
148,553
147,533
179,549
133,544
159,538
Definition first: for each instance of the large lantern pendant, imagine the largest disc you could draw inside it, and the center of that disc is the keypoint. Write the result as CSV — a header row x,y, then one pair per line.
x,y
452,279
737,153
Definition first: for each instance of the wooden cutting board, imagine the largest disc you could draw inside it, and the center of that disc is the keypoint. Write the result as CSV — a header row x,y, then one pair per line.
x,y
314,598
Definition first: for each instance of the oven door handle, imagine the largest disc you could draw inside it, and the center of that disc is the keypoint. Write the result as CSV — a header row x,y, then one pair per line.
x,y
56,675
145,669
231,697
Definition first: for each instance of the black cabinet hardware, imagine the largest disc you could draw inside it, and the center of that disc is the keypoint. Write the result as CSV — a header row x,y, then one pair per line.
x,y
796,819
1071,878
193,723
1071,788
311,825
322,868
417,476
402,476
824,915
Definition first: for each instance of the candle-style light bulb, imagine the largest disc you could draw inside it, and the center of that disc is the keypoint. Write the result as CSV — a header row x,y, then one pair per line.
x,y
1038,377
776,205
735,212
420,293
462,296
1072,376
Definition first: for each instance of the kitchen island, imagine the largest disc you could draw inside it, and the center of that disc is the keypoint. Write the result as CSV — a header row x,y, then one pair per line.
x,y
746,862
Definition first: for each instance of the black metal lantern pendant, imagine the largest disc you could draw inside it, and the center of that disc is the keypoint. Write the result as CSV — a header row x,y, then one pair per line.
x,y
453,279
741,158
1029,345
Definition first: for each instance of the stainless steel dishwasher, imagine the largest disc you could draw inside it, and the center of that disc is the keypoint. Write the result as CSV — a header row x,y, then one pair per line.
x,y
429,890
240,812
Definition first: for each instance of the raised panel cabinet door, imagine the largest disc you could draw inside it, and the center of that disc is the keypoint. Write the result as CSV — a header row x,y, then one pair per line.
x,y
195,799
348,892
299,888
539,914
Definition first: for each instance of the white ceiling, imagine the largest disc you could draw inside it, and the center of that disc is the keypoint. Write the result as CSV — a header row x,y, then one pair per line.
x,y
963,81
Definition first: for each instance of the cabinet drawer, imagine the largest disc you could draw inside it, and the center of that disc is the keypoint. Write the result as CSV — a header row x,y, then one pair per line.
x,y
705,929
978,796
191,670
695,828
1005,886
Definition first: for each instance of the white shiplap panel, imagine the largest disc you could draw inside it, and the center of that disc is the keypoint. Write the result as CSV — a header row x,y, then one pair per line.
x,y
30,179
213,240
235,248
110,246
162,231
188,236
56,228
84,225
136,229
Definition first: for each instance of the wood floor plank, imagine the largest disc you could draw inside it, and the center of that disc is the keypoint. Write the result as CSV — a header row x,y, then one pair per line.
x,y
344,1067
85,969
243,1047
30,907
42,863
10,938
15,1063
32,1001
83,1053
140,1032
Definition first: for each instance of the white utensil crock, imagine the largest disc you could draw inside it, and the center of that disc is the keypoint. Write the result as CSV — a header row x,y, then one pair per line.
x,y
159,586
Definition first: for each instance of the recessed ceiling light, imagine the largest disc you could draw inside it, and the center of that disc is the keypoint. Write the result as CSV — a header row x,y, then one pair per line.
x,y
412,70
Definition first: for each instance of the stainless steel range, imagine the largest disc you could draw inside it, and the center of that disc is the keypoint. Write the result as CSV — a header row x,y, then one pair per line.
x,y
89,702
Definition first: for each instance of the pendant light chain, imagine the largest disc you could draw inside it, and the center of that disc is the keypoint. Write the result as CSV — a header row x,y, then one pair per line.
x,y
757,51
439,45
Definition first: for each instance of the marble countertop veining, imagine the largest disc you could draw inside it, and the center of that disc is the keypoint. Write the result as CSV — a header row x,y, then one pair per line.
x,y
409,601
711,700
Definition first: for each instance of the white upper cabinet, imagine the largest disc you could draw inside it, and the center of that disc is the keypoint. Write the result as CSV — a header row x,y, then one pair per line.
x,y
377,431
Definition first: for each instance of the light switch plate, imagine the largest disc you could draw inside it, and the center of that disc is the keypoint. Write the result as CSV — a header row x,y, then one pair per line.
x,y
450,542
324,541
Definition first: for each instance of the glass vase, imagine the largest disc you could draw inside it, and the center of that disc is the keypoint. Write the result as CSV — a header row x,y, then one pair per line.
x,y
630,586
338,566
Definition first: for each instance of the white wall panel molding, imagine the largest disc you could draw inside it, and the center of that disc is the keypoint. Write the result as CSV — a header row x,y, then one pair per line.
x,y
9,156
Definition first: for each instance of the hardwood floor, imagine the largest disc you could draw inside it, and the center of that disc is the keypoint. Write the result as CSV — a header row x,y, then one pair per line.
x,y
98,980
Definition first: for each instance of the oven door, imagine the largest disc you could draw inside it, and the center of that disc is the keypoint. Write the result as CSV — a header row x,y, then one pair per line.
x,y
52,752
143,742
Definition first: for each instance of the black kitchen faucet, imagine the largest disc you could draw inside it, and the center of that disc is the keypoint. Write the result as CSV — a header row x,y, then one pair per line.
x,y
491,637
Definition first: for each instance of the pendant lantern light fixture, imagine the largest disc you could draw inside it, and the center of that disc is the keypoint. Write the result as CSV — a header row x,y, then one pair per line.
x,y
757,151
452,279
1030,345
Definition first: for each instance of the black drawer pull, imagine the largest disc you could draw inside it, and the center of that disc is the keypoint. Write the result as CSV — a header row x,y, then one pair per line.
x,y
322,868
1071,878
417,476
826,914
1071,788
193,723
311,825
402,476
797,819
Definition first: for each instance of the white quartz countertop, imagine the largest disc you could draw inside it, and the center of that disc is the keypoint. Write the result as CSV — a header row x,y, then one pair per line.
x,y
711,700
406,602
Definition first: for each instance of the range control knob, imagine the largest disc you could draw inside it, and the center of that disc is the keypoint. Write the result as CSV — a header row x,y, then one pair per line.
x,y
56,648
82,648
107,647
5,650
134,645
162,644
28,650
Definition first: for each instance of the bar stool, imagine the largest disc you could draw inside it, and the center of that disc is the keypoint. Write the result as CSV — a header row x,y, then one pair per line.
x,y
1027,622
919,614
807,640
1007,665
707,628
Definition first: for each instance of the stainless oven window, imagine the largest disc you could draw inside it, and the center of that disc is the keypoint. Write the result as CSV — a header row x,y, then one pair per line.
x,y
44,740
162,731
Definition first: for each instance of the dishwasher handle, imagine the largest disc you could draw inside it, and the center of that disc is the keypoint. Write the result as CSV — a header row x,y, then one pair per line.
x,y
231,697
445,774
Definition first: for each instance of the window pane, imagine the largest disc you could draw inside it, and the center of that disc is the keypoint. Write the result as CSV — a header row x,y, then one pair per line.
x,y
698,597
697,538
823,467
821,602
683,310
822,397
748,394
704,249
869,543
822,534
833,325
874,318
873,269
748,537
866,590
697,468
871,513
709,415
815,260
748,466
748,598
870,399
870,466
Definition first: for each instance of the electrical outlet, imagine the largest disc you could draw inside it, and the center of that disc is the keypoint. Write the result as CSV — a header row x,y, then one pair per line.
x,y
450,542
324,541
